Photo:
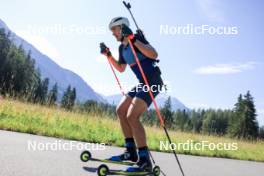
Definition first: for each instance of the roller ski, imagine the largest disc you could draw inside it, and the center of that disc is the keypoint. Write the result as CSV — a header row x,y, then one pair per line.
x,y
103,170
87,156
142,167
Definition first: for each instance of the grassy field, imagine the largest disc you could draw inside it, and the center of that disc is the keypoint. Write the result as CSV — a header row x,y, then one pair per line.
x,y
36,119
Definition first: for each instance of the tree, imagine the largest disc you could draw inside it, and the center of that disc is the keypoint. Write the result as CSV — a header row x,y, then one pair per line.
x,y
196,121
40,90
5,44
30,80
68,98
150,118
65,98
244,123
52,96
18,77
251,124
166,112
261,132
181,118
209,122
235,122
72,97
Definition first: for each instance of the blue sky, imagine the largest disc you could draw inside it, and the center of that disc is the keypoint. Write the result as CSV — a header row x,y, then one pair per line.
x,y
202,70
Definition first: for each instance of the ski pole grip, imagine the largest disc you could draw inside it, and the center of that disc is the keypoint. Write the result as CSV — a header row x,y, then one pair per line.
x,y
127,5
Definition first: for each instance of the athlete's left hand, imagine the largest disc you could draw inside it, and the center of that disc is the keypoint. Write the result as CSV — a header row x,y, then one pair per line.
x,y
105,50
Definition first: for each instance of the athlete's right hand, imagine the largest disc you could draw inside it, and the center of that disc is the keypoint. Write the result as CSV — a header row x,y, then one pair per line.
x,y
105,50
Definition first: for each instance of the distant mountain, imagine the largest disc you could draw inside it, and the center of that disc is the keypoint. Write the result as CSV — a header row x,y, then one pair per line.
x,y
161,98
56,73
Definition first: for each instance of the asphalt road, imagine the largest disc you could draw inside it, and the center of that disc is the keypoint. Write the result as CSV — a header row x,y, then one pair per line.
x,y
18,158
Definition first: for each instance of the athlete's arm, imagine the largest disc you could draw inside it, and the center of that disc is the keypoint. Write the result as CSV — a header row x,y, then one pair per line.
x,y
120,67
106,51
146,49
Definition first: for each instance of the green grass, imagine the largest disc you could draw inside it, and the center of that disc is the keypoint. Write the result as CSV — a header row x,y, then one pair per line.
x,y
55,122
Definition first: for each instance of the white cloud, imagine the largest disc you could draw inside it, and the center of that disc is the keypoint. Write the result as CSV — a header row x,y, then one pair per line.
x,y
41,43
225,68
211,8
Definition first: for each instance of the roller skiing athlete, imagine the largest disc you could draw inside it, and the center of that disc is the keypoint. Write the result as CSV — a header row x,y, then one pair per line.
x,y
137,100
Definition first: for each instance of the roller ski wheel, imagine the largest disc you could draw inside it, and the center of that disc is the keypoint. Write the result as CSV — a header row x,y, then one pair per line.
x,y
102,170
156,171
85,156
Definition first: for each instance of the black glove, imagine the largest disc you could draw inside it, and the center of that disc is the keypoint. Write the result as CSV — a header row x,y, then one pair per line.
x,y
140,33
127,32
105,50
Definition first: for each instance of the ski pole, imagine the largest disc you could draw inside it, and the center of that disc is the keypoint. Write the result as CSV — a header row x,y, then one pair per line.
x,y
117,80
128,6
154,102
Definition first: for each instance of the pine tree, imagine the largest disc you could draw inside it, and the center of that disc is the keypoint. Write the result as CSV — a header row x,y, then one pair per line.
x,y
244,123
196,121
261,132
209,122
30,76
234,129
5,44
166,112
68,98
181,119
44,90
251,128
18,76
72,98
52,97
65,98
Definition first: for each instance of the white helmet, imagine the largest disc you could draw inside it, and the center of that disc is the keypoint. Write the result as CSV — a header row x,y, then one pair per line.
x,y
118,21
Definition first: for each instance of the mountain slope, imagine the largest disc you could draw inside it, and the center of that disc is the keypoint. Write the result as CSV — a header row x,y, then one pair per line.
x,y
54,72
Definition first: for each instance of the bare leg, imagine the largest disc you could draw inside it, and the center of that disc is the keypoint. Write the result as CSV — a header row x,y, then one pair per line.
x,y
135,110
130,152
121,111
